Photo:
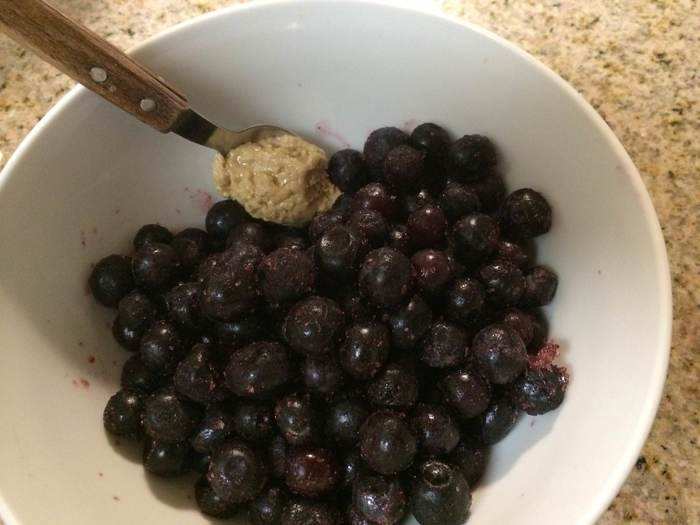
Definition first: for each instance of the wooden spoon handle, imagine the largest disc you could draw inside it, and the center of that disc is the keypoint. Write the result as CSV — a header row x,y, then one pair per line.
x,y
94,62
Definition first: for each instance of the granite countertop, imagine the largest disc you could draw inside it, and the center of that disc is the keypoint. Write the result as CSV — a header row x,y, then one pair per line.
x,y
636,61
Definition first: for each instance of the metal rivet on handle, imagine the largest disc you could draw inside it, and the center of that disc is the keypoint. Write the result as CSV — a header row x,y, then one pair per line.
x,y
98,74
147,104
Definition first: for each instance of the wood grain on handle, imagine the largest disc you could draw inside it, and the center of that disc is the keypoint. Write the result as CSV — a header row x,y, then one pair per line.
x,y
94,62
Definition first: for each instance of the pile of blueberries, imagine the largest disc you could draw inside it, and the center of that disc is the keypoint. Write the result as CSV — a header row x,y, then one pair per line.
x,y
353,371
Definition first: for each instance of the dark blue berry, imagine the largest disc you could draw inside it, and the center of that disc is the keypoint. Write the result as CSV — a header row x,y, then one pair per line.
x,y
499,353
347,170
111,279
152,233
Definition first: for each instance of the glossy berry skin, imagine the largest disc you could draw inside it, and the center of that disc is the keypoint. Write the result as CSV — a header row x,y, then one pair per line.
x,y
445,345
155,266
470,156
167,418
399,239
196,377
127,338
412,202
165,459
311,472
491,191
474,237
522,322
441,495
403,168
378,499
514,253
394,387
378,145
466,392
387,443
297,419
435,429
525,214
540,287
504,283
385,277
410,323
343,421
223,217
433,140
496,422
161,347
137,377
189,253
351,467
540,390
322,375
375,196
456,201
309,512
369,225
240,331
250,232
213,430
499,353
123,413
183,303
465,301
152,233
286,274
471,459
313,325
322,222
347,170
111,279
338,251
136,311
253,421
433,270
365,350
236,473
258,369
210,503
427,227
268,508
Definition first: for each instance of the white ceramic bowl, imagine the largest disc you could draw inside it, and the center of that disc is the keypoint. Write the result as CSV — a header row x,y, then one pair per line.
x,y
88,175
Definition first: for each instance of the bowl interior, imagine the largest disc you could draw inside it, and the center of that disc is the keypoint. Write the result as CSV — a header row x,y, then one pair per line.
x,y
90,175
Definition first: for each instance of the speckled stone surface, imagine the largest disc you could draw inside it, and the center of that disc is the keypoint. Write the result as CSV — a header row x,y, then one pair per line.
x,y
636,61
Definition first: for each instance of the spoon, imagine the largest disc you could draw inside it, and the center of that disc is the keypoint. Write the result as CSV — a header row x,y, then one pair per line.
x,y
104,69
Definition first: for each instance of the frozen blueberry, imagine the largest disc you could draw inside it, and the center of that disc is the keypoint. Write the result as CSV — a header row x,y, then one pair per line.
x,y
504,283
434,141
427,226
258,369
435,429
403,168
338,251
184,305
445,345
365,350
127,338
311,472
155,265
269,507
138,377
412,202
522,322
525,214
322,375
540,390
385,277
499,353
289,238
456,200
287,274
347,170
514,253
387,444
277,456
399,239
378,499
496,422
161,347
166,459
111,279
410,323
465,301
491,191
191,247
236,473
250,232
223,217
213,430
322,222
313,324
253,421
394,387
350,468
466,392
167,418
370,225
210,503
540,287
152,233
123,413
433,269
441,495
474,237
196,377
309,512
199,462
343,421
136,311
297,419
239,331
378,145
470,156
375,196
471,459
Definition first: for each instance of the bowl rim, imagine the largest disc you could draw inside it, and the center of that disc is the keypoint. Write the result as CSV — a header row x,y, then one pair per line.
x,y
621,469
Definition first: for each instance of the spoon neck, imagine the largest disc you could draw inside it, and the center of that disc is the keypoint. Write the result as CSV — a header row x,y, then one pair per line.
x,y
194,127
